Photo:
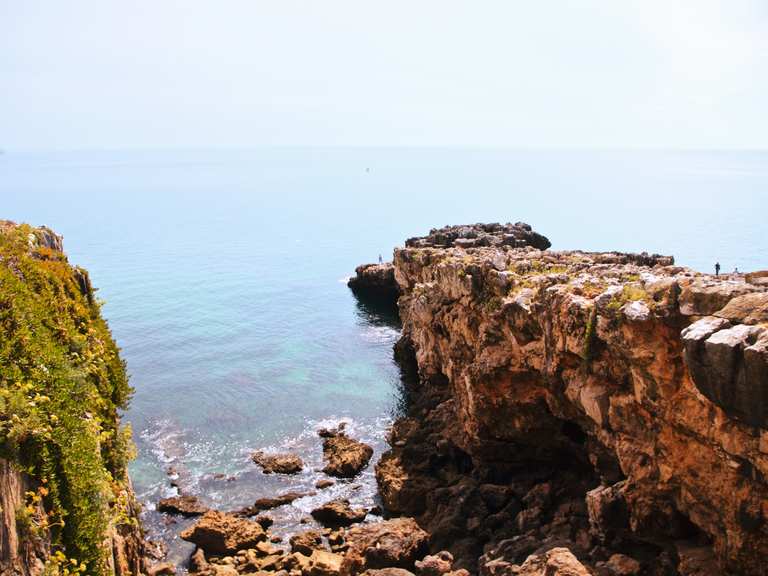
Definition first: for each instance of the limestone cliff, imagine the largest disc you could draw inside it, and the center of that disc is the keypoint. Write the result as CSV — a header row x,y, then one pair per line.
x,y
611,403
67,504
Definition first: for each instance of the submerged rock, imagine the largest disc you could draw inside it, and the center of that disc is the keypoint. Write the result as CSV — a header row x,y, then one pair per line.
x,y
345,457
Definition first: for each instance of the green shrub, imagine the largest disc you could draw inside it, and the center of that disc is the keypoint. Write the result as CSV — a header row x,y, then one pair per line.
x,y
62,383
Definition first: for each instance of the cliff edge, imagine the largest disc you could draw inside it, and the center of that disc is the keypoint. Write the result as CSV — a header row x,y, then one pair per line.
x,y
67,503
614,404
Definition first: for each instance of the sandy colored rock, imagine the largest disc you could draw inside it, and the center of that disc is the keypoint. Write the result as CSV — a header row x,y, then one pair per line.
x,y
183,505
306,542
220,533
623,565
338,513
616,367
555,562
325,563
164,569
435,565
345,457
396,543
278,463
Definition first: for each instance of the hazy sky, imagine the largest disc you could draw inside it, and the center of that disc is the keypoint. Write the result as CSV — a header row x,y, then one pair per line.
x,y
586,73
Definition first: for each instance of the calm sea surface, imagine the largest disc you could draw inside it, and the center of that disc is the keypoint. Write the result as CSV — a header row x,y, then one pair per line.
x,y
223,275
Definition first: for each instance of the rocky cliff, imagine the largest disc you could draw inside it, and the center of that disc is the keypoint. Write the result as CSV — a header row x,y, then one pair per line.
x,y
67,504
614,404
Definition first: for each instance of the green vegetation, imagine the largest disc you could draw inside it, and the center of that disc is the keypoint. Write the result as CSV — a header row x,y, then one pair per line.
x,y
629,293
589,339
61,385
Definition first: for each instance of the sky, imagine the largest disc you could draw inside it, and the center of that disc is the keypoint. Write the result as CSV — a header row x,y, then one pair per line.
x,y
518,74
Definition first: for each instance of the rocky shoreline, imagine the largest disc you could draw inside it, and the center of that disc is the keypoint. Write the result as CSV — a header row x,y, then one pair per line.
x,y
568,413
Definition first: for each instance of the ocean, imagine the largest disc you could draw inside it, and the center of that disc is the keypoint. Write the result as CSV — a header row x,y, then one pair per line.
x,y
223,279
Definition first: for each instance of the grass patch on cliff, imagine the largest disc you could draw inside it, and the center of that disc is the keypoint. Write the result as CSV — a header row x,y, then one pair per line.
x,y
590,337
629,293
62,383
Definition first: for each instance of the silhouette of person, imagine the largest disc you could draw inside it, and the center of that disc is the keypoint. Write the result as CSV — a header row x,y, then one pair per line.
x,y
380,260
717,268
736,270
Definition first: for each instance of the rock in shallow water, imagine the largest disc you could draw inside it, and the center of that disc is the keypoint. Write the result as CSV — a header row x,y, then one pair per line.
x,y
184,505
345,457
338,513
278,463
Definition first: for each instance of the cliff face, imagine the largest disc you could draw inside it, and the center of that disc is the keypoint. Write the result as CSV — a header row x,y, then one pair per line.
x,y
67,504
610,403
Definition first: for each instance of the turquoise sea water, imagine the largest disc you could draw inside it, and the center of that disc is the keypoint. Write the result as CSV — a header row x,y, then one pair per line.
x,y
223,275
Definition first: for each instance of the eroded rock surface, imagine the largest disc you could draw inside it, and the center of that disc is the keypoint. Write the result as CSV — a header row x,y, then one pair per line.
x,y
515,235
338,513
278,463
376,281
345,457
394,543
220,533
611,404
183,505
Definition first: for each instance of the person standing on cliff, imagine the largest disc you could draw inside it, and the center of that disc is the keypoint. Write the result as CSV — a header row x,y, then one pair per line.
x,y
380,260
717,268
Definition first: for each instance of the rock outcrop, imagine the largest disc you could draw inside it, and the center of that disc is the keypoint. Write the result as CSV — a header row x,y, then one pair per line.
x,y
516,235
183,505
338,513
220,533
278,463
345,457
613,404
375,281
65,496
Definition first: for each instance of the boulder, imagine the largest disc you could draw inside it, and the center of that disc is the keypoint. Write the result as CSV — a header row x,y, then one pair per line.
x,y
278,463
220,533
306,542
622,565
272,502
435,565
325,563
396,543
388,572
345,457
184,505
338,513
729,365
704,297
554,562
163,569
747,309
